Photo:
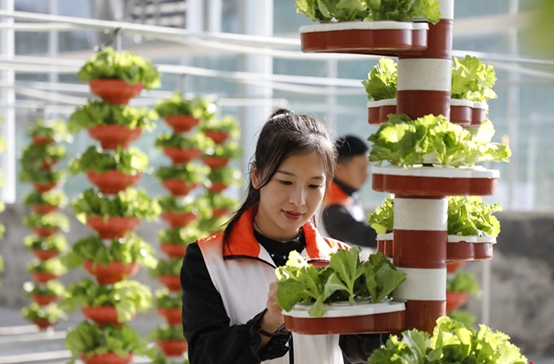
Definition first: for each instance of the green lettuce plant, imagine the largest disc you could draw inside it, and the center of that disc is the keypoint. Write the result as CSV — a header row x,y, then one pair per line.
x,y
165,300
34,155
472,80
50,288
226,175
186,204
95,113
181,236
190,172
52,242
51,312
55,130
382,80
198,107
40,175
167,333
229,149
87,338
183,141
52,197
122,65
167,268
227,124
128,161
52,266
51,221
463,282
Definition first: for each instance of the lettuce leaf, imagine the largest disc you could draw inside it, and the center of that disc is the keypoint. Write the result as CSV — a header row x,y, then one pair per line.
x,y
382,80
472,80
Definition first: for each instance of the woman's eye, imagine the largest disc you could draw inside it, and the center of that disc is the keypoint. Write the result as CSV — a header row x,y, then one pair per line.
x,y
286,183
315,186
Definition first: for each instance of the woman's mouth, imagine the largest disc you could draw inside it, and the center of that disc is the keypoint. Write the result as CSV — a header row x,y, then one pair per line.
x,y
293,215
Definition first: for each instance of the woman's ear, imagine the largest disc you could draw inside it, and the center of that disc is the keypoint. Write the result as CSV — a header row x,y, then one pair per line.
x,y
255,177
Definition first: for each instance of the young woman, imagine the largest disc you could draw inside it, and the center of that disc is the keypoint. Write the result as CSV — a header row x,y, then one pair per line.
x,y
230,314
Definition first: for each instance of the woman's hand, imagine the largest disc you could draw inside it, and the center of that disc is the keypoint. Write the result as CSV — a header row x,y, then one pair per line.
x,y
273,317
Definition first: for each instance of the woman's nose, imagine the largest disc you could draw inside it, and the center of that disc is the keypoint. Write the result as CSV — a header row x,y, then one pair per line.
x,y
298,197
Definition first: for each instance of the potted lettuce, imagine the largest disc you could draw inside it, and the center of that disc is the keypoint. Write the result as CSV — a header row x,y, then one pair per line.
x,y
114,217
115,304
118,76
109,344
43,203
220,129
169,306
37,156
46,225
170,339
42,179
180,211
218,155
182,148
44,271
174,242
43,316
111,172
220,204
43,293
451,342
180,180
458,289
168,273
183,114
220,178
112,125
45,248
47,132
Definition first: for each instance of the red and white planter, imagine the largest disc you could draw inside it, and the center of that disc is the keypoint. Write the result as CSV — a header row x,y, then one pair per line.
x,y
385,244
469,248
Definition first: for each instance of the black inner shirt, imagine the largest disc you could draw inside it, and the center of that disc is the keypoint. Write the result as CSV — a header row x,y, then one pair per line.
x,y
279,250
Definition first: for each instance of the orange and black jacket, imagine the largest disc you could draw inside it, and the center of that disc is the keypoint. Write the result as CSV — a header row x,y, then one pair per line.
x,y
338,219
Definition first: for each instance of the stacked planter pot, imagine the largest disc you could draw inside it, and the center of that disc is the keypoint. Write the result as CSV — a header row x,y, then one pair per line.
x,y
38,162
424,84
113,208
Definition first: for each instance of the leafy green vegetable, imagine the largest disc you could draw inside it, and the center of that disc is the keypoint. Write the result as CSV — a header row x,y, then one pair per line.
x,y
229,176
198,107
51,312
212,225
472,80
53,242
96,113
217,200
382,81
123,65
368,10
299,281
52,129
130,203
128,161
183,141
40,175
186,204
382,219
190,172
51,220
165,299
229,149
129,249
167,332
227,124
464,317
88,338
50,288
52,197
51,266
167,268
470,215
182,236
451,343
463,282
127,297
34,155
405,142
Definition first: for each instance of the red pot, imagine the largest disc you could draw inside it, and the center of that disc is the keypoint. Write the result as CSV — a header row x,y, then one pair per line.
x,y
217,187
42,323
111,274
173,347
43,277
452,267
174,250
173,283
217,136
41,140
182,123
112,182
173,316
113,227
218,212
455,300
114,91
112,136
182,156
44,208
102,315
214,162
48,165
45,254
44,187
44,300
178,187
45,232
108,358
176,220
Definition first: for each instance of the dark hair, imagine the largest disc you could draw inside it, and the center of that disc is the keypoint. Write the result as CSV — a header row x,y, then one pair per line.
x,y
349,146
285,134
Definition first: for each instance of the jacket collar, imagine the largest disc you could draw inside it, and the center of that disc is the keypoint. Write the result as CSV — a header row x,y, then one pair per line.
x,y
336,196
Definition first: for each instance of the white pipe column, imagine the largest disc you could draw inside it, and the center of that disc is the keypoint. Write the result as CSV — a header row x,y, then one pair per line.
x,y
256,18
53,48
215,13
194,18
7,95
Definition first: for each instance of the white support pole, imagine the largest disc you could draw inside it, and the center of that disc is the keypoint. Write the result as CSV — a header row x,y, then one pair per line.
x,y
332,72
8,96
53,48
215,13
256,18
195,15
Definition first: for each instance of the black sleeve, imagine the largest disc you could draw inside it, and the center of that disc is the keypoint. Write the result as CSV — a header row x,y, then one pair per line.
x,y
206,325
342,226
358,348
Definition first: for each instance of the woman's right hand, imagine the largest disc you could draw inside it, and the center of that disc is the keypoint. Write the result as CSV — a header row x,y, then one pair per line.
x,y
273,318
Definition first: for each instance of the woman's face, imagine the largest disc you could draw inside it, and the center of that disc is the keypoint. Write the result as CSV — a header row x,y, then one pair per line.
x,y
291,197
